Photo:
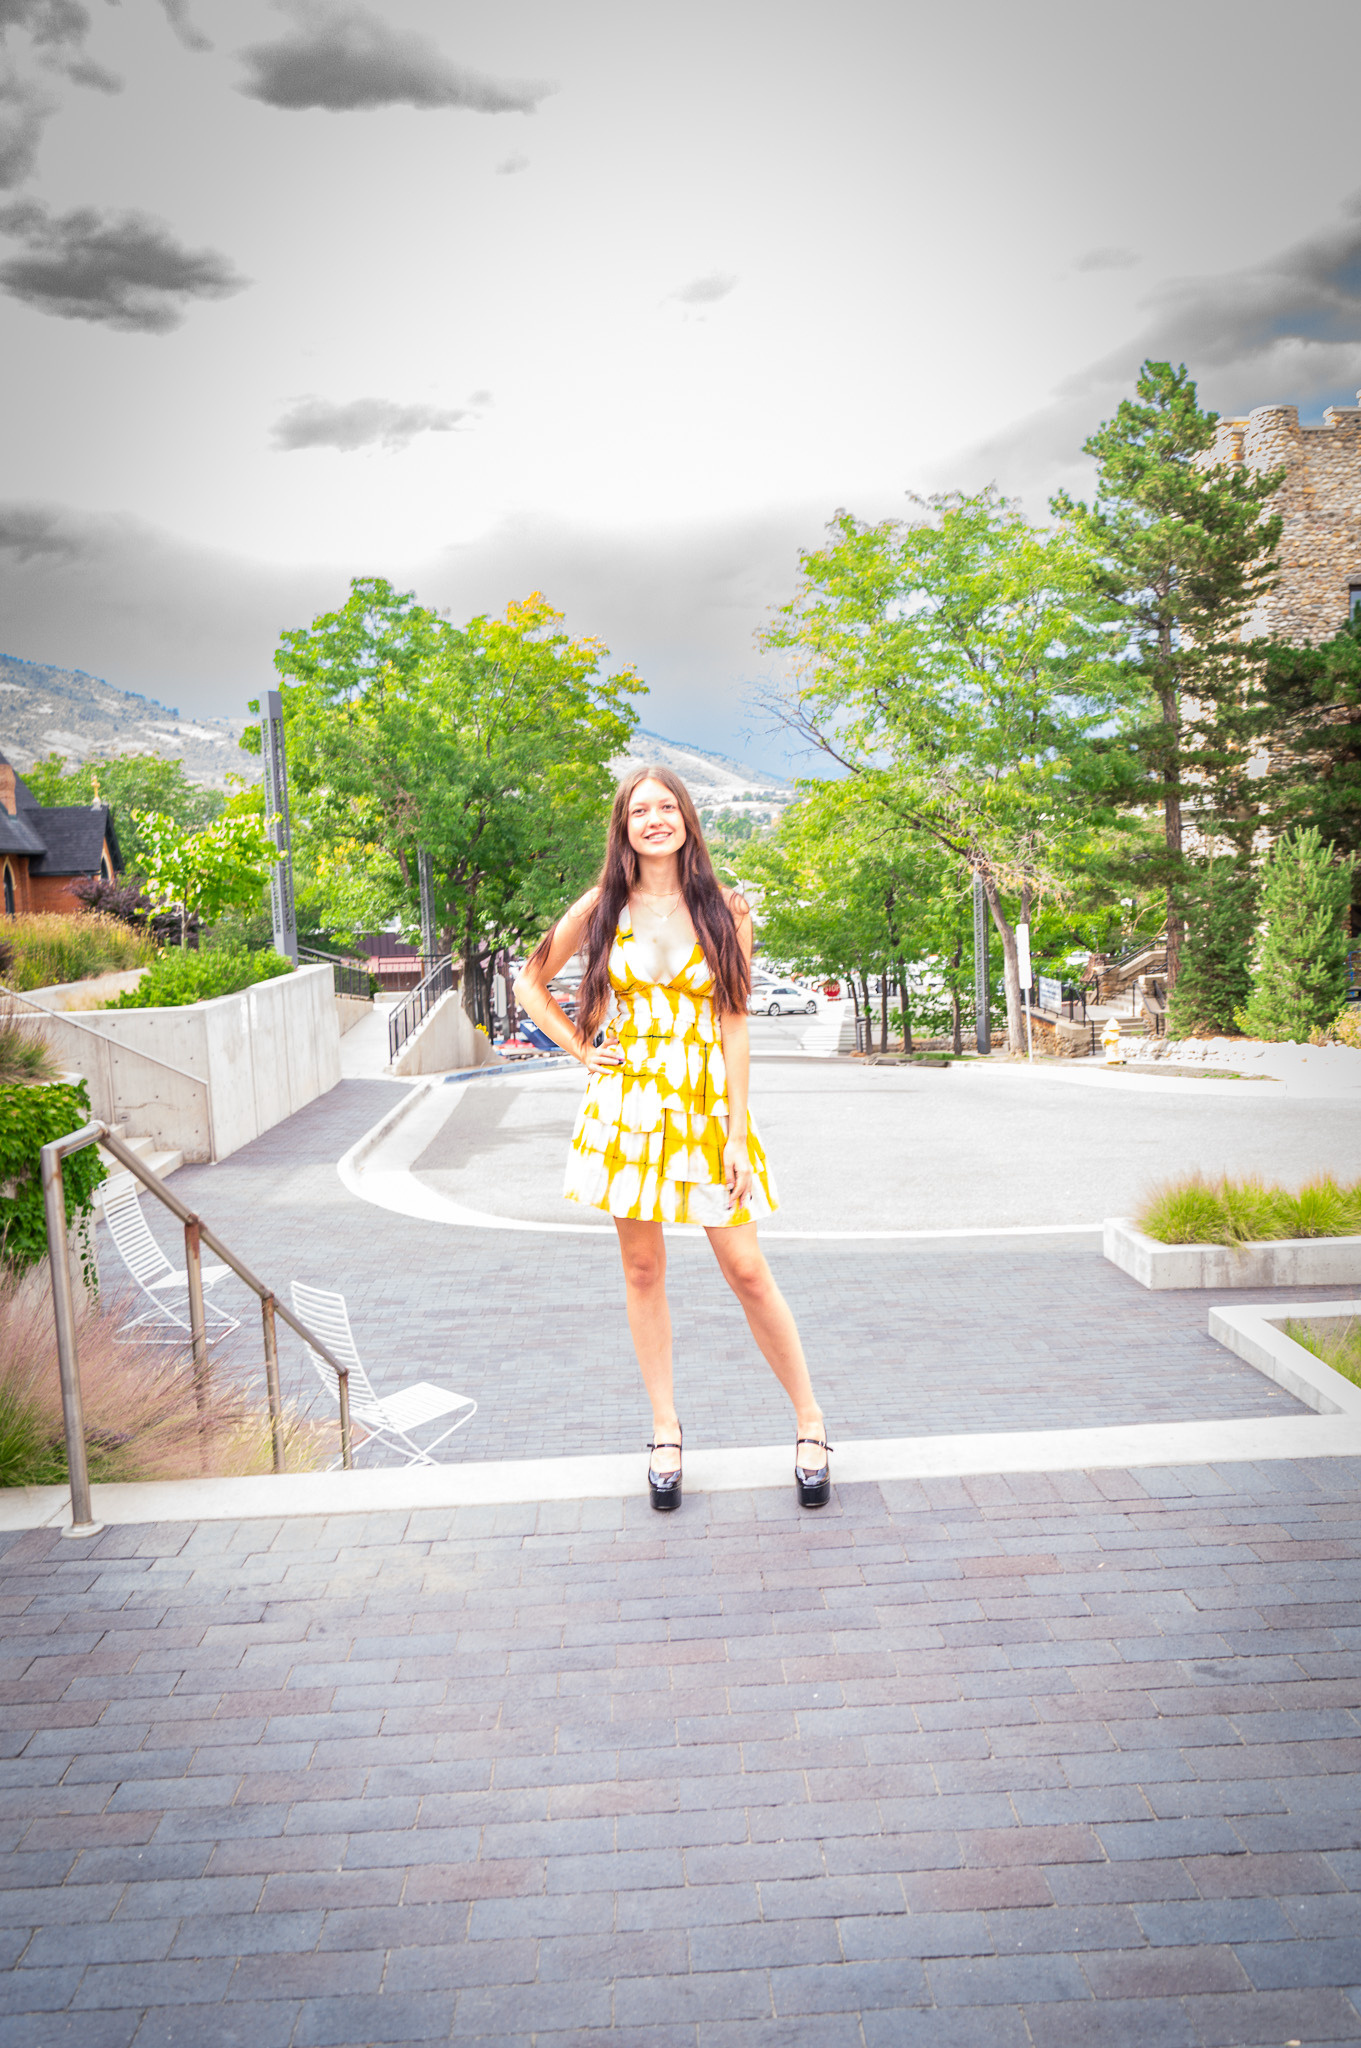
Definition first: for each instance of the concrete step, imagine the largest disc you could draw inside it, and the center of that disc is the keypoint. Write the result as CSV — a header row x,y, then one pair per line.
x,y
160,1162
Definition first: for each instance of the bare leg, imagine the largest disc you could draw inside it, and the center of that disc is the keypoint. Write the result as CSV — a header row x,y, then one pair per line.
x,y
643,1251
744,1267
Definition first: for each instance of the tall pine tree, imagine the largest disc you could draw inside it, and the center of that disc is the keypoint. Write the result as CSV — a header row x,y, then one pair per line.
x,y
1220,906
1310,719
1184,548
1300,976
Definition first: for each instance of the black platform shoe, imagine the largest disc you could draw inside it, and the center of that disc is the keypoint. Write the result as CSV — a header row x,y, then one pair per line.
x,y
812,1483
665,1487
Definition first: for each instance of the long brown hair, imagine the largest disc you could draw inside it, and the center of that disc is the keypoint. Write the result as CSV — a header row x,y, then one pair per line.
x,y
714,924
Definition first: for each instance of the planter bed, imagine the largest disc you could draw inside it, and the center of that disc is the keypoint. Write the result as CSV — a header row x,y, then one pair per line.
x,y
1264,1262
1253,1333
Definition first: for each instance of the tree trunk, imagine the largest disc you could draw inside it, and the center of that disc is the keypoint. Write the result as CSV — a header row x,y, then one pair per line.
x,y
907,1010
869,1014
883,1007
956,1013
1011,968
1172,828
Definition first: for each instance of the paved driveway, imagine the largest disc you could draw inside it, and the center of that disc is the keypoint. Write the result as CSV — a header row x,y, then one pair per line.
x,y
906,1339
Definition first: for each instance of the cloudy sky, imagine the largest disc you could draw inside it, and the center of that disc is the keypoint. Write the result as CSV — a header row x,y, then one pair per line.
x,y
614,300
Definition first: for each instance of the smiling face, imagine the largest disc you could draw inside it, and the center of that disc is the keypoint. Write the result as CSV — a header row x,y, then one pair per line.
x,y
656,827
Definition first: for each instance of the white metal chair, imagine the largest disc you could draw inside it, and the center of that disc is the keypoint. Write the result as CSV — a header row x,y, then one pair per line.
x,y
387,1418
165,1286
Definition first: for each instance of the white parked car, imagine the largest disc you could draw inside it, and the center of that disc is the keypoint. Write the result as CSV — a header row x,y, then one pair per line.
x,y
780,999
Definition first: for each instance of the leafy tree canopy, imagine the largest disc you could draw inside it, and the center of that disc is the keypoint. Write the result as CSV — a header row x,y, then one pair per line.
x,y
128,783
487,744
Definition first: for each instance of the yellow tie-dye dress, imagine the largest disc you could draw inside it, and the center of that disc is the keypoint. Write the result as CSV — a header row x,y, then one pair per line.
x,y
649,1136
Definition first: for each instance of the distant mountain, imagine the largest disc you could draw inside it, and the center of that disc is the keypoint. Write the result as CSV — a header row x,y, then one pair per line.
x,y
46,710
710,778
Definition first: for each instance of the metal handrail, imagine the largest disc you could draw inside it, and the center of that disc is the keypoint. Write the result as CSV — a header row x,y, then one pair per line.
x,y
196,1235
70,1017
405,1016
347,977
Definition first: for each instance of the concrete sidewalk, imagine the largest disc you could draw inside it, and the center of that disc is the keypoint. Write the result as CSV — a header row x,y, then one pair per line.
x,y
1029,1762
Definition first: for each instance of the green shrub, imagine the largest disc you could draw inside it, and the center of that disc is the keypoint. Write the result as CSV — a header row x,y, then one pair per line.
x,y
1197,1211
49,948
184,977
1341,1349
29,1119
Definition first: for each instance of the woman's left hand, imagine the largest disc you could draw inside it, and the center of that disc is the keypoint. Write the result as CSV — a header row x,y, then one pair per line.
x,y
737,1172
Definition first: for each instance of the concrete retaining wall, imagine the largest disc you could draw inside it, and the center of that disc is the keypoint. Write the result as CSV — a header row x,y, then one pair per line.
x,y
206,1078
444,1040
1285,1262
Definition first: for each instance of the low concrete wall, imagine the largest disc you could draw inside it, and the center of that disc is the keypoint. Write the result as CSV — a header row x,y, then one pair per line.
x,y
88,994
1284,1262
247,1061
444,1040
352,1010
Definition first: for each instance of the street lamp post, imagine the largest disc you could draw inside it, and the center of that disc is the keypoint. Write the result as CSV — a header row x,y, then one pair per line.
x,y
982,1007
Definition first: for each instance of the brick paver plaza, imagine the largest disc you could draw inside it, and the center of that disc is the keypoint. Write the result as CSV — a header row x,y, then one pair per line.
x,y
980,1763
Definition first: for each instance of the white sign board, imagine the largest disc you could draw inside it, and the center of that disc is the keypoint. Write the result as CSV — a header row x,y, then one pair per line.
x,y
1051,993
1023,953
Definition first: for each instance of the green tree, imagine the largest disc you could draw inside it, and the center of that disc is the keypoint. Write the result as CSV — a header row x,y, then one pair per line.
x,y
1183,549
128,783
958,667
1309,722
488,745
223,867
1299,979
1219,907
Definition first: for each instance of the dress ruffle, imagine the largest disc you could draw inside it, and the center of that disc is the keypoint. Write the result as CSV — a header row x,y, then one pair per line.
x,y
649,1136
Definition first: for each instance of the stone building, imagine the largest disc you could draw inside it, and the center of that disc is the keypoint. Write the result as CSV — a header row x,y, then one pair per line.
x,y
46,847
1320,507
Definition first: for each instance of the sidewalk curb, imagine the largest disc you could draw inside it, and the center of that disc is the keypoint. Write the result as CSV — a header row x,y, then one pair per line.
x,y
619,1476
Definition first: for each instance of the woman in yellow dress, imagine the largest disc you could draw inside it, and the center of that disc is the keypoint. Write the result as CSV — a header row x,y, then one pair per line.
x,y
663,1135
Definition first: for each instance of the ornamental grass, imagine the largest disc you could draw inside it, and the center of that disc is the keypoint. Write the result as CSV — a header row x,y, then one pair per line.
x,y
142,1420
45,948
1339,1348
1194,1210
24,1057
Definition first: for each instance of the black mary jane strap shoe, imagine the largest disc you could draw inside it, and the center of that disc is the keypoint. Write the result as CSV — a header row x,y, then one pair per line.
x,y
665,1487
812,1483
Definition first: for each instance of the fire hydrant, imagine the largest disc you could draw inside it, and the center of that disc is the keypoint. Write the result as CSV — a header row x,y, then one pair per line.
x,y
1110,1038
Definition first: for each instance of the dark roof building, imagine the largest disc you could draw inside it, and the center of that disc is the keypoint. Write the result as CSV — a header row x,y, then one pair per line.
x,y
46,847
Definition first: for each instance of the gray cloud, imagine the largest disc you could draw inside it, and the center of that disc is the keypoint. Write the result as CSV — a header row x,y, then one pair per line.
x,y
704,291
177,14
197,626
27,531
345,59
56,31
511,164
123,270
24,111
1107,259
1285,331
360,423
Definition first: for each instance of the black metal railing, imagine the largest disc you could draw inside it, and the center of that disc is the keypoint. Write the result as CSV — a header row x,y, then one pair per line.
x,y
413,1009
348,977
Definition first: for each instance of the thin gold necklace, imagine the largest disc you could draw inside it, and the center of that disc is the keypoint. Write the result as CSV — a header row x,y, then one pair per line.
x,y
660,915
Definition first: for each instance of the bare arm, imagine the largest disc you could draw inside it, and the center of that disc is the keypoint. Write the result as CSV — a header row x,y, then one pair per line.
x,y
733,1031
533,996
